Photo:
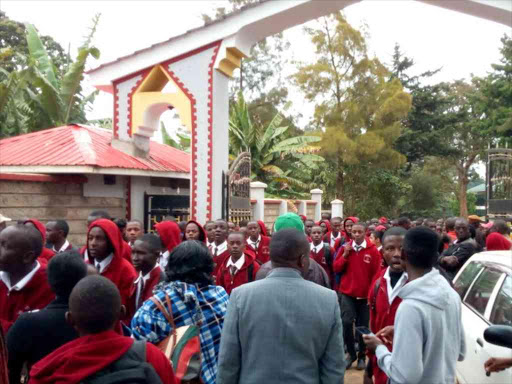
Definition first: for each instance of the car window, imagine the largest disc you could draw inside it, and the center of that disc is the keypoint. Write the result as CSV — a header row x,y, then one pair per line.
x,y
479,294
502,310
466,278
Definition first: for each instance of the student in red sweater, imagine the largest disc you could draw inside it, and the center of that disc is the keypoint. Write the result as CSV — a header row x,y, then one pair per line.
x,y
46,253
104,247
194,231
170,234
23,282
335,234
145,255
321,252
219,247
358,261
258,242
383,297
94,310
240,267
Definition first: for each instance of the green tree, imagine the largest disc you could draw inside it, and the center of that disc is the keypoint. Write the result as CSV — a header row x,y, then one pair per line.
x,y
38,95
360,108
284,163
182,141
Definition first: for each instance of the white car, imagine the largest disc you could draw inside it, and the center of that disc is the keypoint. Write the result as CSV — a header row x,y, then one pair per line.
x,y
484,284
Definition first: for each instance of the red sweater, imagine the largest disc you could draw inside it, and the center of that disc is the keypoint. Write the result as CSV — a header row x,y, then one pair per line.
x,y
358,269
218,260
35,295
154,278
83,357
229,282
119,271
263,251
381,315
320,259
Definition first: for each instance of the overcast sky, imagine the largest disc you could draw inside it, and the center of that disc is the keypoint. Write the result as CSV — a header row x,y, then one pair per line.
x,y
432,36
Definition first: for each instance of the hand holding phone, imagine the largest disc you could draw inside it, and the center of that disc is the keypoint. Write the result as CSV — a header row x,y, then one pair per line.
x,y
364,331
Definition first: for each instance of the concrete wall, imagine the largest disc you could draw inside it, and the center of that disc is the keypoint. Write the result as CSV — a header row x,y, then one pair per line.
x,y
271,214
49,201
310,210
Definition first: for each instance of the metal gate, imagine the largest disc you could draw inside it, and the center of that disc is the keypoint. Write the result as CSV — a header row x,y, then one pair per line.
x,y
236,190
159,208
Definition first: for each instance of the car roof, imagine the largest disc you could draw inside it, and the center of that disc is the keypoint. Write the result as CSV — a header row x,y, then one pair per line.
x,y
503,258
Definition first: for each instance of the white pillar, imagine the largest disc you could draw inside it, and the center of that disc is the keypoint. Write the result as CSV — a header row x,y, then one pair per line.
x,y
316,195
258,194
336,208
283,207
303,208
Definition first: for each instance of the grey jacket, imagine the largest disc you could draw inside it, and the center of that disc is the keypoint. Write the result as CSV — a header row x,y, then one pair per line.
x,y
282,329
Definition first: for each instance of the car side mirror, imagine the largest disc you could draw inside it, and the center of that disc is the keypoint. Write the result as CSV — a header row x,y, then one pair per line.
x,y
499,335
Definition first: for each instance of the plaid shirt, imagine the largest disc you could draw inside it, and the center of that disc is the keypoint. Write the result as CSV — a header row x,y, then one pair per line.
x,y
191,304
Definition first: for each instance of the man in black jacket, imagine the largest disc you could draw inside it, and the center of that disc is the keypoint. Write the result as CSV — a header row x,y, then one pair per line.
x,y
460,251
36,334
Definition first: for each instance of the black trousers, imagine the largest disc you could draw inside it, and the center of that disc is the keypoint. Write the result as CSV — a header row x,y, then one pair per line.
x,y
354,310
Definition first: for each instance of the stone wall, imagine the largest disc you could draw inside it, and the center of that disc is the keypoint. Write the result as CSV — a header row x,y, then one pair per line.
x,y
271,214
310,211
49,201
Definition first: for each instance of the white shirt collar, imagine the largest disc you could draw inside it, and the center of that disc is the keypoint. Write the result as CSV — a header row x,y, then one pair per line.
x,y
317,248
208,244
220,248
4,276
362,245
378,249
253,243
146,276
239,263
333,239
164,259
104,263
393,291
63,248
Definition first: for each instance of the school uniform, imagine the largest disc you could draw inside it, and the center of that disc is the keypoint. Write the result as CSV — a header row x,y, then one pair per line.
x,y
219,254
233,274
143,288
87,355
30,293
65,247
261,248
357,273
383,302
331,240
318,253
46,254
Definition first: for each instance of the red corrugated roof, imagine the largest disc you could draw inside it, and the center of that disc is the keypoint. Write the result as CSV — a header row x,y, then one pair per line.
x,y
86,146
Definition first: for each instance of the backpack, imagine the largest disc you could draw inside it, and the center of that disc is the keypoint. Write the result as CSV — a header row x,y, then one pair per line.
x,y
131,368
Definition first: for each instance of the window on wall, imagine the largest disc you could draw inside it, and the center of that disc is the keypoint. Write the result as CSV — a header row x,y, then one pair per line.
x,y
109,179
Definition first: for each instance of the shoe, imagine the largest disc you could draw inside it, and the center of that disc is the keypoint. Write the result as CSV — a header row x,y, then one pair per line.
x,y
361,365
349,360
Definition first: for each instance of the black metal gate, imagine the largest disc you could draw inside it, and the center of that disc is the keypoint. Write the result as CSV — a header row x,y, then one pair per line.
x,y
159,208
236,190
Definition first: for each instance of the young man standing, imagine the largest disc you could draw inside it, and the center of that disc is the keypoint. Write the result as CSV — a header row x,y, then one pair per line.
x,y
258,242
321,252
359,261
209,227
23,281
56,234
460,251
145,254
427,336
308,226
335,235
219,247
383,297
94,310
240,267
134,230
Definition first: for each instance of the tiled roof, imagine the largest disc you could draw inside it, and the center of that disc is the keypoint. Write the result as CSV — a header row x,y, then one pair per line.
x,y
77,145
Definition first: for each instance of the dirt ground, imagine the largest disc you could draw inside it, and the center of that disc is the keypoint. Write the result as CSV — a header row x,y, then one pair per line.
x,y
353,376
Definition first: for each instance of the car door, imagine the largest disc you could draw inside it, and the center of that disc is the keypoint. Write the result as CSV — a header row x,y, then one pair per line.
x,y
475,319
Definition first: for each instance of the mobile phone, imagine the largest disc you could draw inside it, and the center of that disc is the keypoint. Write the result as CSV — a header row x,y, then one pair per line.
x,y
364,331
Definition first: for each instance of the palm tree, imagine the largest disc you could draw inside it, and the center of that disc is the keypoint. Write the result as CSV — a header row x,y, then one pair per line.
x,y
284,163
38,96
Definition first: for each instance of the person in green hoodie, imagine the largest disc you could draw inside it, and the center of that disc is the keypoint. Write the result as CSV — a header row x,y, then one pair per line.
x,y
427,335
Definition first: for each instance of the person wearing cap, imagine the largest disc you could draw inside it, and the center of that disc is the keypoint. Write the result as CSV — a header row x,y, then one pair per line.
x,y
3,222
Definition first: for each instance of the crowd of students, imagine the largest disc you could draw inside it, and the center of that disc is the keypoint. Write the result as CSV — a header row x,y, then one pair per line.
x,y
71,314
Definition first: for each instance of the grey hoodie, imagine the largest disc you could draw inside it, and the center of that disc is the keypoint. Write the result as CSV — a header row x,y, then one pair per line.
x,y
428,338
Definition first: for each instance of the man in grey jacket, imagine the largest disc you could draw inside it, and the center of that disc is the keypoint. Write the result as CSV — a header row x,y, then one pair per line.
x,y
428,335
283,329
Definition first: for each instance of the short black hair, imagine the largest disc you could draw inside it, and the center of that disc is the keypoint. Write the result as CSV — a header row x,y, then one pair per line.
x,y
100,215
287,245
62,225
243,223
121,223
190,262
403,221
95,304
420,246
360,223
378,234
239,233
33,238
394,231
337,218
65,270
153,241
501,226
450,223
135,221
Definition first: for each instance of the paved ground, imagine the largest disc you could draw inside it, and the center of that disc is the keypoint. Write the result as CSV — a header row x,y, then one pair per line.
x,y
353,376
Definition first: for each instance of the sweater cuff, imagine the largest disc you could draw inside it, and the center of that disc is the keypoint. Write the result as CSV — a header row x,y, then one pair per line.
x,y
381,351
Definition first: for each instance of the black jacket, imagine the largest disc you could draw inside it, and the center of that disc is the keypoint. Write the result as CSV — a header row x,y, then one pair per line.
x,y
463,251
36,334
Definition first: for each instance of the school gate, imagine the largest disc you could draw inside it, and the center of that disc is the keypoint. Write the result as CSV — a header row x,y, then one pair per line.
x,y
198,65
